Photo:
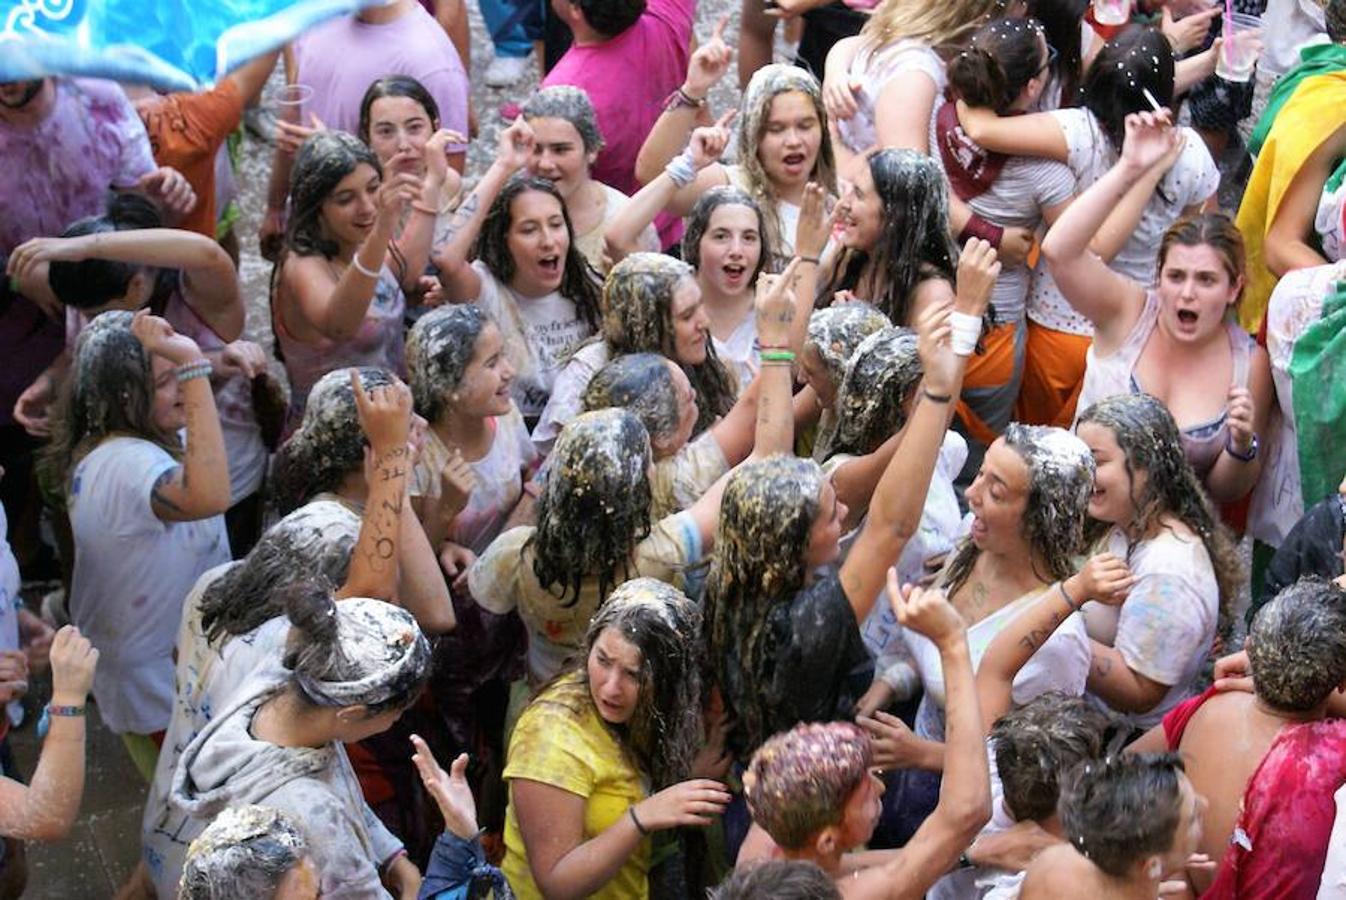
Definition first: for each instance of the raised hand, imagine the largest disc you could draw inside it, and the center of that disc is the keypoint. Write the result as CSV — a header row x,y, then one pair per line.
x,y
939,364
450,789
435,154
159,338
709,63
516,145
707,144
1190,31
398,190
170,189
241,358
13,675
384,414
1150,137
926,611
1104,577
815,224
775,303
978,269
692,802
290,136
1240,419
73,660
457,480
895,745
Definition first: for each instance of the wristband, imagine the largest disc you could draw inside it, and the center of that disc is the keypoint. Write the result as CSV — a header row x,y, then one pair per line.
x,y
422,208
1070,601
980,228
966,332
681,169
936,398
636,822
783,356
199,369
680,99
1242,457
44,721
359,267
809,259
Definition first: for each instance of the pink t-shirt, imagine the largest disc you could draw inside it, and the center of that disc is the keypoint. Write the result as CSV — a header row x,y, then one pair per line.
x,y
341,58
656,48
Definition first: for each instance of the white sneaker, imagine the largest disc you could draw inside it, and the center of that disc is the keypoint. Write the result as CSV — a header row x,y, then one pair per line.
x,y
506,70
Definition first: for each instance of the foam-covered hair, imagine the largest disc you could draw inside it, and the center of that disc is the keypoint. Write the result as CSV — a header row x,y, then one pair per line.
x,y
799,781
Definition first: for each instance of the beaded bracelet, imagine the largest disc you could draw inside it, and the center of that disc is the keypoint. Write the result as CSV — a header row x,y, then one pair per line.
x,y
782,356
199,369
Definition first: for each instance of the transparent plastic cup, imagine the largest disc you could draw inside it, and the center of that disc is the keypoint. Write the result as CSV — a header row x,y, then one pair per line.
x,y
1242,41
1112,12
287,103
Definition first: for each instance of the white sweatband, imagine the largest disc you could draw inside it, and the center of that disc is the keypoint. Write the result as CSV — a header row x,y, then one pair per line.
x,y
966,332
681,169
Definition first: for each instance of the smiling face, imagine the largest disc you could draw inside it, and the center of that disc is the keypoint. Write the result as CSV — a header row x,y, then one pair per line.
x,y
998,498
861,210
790,140
825,534
1114,485
691,324
559,155
539,241
730,249
398,125
485,387
349,211
614,669
1195,293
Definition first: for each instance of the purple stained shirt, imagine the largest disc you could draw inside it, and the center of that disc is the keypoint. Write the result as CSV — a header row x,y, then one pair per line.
x,y
60,171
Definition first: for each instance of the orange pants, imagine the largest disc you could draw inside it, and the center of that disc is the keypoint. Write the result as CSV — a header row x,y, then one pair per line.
x,y
1053,375
992,382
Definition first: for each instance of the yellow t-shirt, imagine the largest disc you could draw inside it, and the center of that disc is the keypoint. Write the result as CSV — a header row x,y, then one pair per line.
x,y
560,740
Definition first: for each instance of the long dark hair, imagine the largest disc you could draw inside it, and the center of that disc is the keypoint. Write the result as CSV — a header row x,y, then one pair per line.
x,y
579,282
998,63
396,86
698,221
91,283
1137,60
1061,19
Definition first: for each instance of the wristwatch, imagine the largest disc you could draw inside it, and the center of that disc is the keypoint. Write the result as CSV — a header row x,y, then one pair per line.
x,y
1243,457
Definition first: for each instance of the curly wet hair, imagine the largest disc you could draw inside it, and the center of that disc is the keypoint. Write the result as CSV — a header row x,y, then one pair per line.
x,y
767,513
641,383
439,349
1119,810
595,506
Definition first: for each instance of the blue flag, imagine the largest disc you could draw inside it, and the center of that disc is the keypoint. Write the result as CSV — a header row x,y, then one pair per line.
x,y
173,45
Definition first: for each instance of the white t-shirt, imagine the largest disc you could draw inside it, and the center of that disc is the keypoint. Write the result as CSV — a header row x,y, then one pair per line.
x,y
739,352
680,480
1165,628
872,69
538,333
1192,180
1333,885
567,393
132,574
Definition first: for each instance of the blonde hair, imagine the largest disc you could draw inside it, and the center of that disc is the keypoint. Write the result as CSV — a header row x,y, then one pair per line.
x,y
938,25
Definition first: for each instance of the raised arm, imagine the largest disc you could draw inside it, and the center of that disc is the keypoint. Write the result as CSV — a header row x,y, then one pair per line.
x,y
1121,223
1109,300
1036,134
199,488
895,510
413,244
453,258
1287,240
1249,416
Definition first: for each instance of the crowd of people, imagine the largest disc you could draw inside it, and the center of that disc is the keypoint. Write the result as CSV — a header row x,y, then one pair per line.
x,y
920,480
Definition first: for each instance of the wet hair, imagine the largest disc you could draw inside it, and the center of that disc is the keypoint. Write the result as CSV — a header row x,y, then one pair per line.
x,y
1056,514
1119,810
798,782
579,282
1035,743
91,283
313,542
766,84
439,349
1297,646
108,390
1334,16
664,733
356,652
396,86
767,513
329,442
1214,230
880,377
914,243
1150,440
698,222
777,879
245,852
638,318
938,25
1137,60
836,332
640,383
1061,20
998,63
571,104
610,17
595,506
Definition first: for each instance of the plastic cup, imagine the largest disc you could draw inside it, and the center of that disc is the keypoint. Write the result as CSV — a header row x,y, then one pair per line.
x,y
1112,12
287,104
1238,57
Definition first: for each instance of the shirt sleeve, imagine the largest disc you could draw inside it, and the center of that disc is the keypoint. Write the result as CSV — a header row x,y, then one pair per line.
x,y
1164,624
344,861
136,159
213,114
565,402
548,746
128,482
1077,129
493,578
674,543
1195,177
1055,184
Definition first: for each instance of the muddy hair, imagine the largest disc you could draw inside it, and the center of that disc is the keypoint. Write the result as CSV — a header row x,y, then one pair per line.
x,y
328,444
580,284
1297,646
698,222
836,331
799,781
914,244
638,318
998,63
1056,515
91,283
640,383
777,879
880,378
1216,231
664,734
1061,21
439,349
1037,742
766,84
1150,441
1137,60
396,86
323,160
316,654
313,542
245,852
108,390
1119,810
768,510
595,506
